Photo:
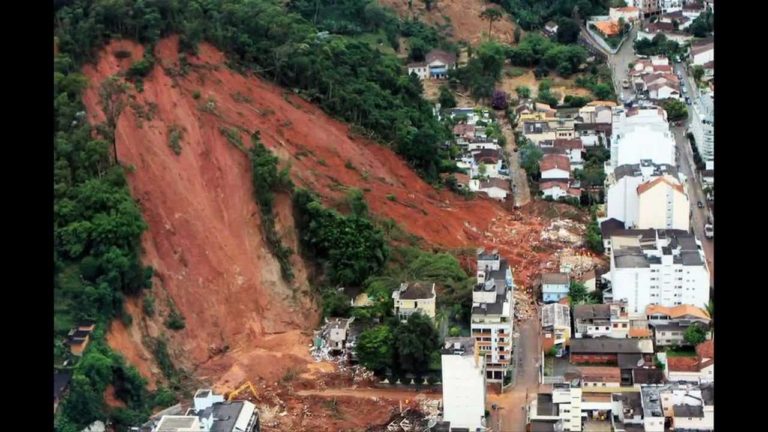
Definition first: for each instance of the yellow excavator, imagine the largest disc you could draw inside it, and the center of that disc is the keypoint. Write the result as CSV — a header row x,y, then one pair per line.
x,y
233,394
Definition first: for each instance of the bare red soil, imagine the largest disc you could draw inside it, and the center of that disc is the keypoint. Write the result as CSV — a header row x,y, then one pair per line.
x,y
243,321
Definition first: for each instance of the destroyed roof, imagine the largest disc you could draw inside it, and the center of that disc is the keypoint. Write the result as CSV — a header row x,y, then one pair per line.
x,y
417,290
648,376
688,411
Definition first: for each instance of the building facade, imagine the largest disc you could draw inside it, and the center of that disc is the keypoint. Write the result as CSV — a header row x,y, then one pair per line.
x,y
464,380
492,313
414,297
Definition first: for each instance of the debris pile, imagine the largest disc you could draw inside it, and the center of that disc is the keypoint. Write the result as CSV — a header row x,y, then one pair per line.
x,y
565,231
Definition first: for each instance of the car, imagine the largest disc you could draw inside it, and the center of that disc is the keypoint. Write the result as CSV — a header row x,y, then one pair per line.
x,y
709,231
699,204
687,100
624,84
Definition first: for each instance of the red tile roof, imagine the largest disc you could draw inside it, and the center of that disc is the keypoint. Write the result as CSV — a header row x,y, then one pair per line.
x,y
571,144
548,184
600,374
677,311
664,179
683,364
554,161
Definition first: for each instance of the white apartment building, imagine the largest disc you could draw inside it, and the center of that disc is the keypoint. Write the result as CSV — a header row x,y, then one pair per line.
x,y
647,195
641,133
463,369
563,406
664,267
492,313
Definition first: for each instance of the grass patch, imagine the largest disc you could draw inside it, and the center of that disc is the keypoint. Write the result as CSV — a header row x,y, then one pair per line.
x,y
175,134
175,320
391,197
241,98
515,72
681,352
233,137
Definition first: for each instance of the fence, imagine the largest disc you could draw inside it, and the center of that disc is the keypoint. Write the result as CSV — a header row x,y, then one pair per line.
x,y
552,380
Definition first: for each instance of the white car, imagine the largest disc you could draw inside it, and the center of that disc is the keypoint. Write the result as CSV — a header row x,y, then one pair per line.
x,y
709,231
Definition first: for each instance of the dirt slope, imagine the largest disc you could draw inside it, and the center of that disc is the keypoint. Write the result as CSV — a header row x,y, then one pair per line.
x,y
204,241
463,16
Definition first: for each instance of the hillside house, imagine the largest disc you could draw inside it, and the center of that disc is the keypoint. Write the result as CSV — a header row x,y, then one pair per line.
x,y
629,13
414,297
559,188
701,54
78,338
436,65
495,188
606,350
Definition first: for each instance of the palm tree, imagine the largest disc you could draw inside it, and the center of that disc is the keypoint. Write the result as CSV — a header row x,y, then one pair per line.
x,y
492,15
710,308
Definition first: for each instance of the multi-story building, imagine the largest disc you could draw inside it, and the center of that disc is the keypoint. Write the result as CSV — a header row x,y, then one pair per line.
x,y
647,7
492,313
664,267
640,133
647,195
556,325
414,297
561,407
463,369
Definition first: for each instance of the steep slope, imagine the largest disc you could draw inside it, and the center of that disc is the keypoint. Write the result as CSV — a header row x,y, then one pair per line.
x,y
463,17
204,240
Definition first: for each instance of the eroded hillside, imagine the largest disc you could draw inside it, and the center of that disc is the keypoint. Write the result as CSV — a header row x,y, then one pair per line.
x,y
243,321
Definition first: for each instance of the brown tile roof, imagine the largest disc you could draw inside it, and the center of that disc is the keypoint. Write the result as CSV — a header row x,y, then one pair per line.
x,y
554,278
462,128
417,290
627,9
695,50
639,332
487,156
677,311
495,182
600,374
548,184
571,144
549,162
683,364
659,180
659,27
440,55
608,28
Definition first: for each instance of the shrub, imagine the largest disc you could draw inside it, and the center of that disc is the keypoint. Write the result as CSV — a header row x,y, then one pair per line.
x,y
196,94
149,305
391,197
175,133
175,320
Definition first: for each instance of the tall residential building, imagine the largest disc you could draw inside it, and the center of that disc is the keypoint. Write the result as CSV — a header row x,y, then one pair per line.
x,y
492,313
647,195
664,267
463,368
641,133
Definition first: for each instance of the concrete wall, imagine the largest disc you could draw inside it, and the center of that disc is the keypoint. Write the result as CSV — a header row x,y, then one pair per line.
x,y
663,207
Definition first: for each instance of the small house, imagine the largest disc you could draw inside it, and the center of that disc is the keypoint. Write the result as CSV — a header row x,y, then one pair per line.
x,y
414,297
554,286
436,65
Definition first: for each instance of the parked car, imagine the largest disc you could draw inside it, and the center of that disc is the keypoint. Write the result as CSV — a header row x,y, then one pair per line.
x,y
700,204
625,83
687,100
709,231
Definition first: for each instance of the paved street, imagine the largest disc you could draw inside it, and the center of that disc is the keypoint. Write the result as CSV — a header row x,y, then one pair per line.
x,y
619,64
693,185
510,417
520,190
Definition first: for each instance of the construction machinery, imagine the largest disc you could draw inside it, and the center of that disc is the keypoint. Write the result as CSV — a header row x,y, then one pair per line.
x,y
246,386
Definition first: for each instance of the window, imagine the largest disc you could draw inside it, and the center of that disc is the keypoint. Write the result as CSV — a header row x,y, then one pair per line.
x,y
663,333
603,384
624,325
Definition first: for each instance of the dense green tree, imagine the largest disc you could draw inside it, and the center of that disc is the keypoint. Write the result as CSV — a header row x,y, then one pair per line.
x,y
698,72
530,156
446,98
416,340
694,334
577,292
676,110
523,92
375,349
567,30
